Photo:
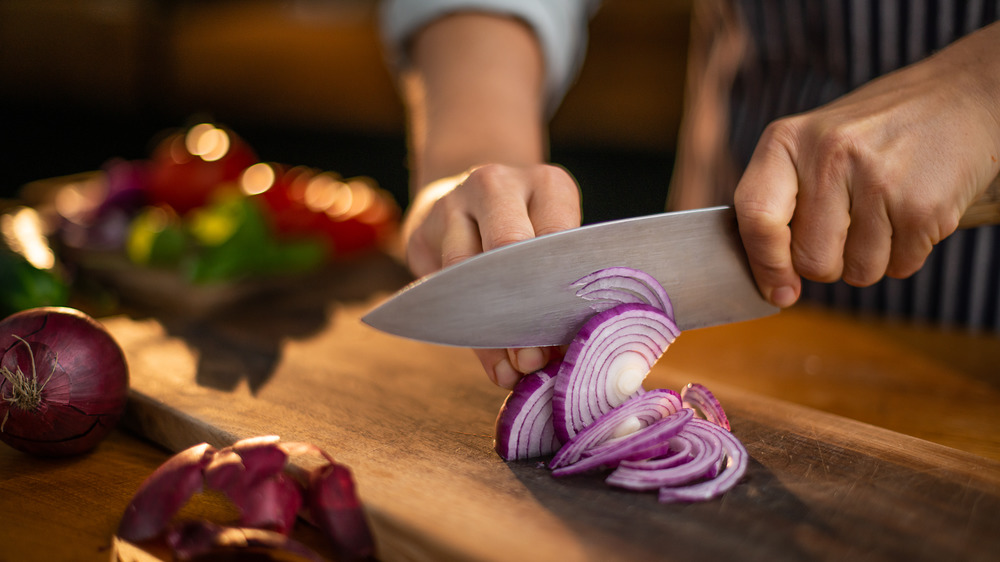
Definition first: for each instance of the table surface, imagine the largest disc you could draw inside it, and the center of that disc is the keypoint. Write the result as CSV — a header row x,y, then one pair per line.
x,y
935,384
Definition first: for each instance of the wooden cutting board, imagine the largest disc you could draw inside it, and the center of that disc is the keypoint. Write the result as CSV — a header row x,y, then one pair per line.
x,y
415,424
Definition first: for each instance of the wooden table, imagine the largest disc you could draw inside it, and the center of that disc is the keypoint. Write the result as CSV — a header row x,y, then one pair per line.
x,y
938,385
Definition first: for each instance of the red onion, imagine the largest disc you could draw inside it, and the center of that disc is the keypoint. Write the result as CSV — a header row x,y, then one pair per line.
x,y
606,363
256,476
735,468
524,427
612,286
635,414
651,440
63,381
594,402
704,404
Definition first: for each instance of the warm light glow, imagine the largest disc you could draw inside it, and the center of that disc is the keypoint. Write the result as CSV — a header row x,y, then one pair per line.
x,y
207,141
363,197
321,192
257,179
342,201
22,232
71,204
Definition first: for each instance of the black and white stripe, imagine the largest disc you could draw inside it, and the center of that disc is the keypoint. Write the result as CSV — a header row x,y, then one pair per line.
x,y
804,53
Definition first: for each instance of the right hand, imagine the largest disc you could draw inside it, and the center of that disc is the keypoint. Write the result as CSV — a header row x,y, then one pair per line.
x,y
489,206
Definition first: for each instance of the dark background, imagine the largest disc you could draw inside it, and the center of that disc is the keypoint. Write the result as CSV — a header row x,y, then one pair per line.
x,y
304,83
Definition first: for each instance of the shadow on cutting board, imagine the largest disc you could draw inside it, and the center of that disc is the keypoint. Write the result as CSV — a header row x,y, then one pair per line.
x,y
243,340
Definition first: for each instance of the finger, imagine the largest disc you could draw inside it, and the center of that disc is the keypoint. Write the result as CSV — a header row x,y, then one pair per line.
x,y
909,251
498,367
528,359
822,215
502,209
868,245
765,202
555,205
460,240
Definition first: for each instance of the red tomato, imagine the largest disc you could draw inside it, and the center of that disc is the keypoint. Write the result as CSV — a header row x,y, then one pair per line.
x,y
187,168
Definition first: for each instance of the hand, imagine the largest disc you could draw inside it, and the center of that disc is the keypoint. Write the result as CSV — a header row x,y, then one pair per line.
x,y
485,208
866,186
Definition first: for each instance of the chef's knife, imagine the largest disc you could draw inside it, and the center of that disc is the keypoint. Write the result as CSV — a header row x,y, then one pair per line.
x,y
521,295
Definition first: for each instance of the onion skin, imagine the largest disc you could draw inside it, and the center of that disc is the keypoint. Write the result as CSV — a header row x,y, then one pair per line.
x,y
80,374
164,492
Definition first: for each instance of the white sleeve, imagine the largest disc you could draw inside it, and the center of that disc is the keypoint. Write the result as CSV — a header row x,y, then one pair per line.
x,y
560,25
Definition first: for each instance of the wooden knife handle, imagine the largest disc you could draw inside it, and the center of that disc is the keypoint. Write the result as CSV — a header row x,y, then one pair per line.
x,y
985,210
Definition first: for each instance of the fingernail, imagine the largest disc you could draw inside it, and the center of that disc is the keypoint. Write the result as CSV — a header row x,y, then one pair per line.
x,y
505,374
530,359
783,297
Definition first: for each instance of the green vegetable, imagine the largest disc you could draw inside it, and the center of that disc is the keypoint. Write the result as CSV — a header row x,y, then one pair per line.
x,y
23,286
234,241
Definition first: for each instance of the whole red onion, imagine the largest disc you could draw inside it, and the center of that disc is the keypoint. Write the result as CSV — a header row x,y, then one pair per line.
x,y
63,381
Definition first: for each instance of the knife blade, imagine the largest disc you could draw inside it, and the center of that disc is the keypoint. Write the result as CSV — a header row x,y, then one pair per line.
x,y
520,295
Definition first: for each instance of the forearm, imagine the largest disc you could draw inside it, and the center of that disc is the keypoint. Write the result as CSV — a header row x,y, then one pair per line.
x,y
474,95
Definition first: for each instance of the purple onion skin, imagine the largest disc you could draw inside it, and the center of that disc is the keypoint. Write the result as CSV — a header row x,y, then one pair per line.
x,y
164,492
336,509
80,374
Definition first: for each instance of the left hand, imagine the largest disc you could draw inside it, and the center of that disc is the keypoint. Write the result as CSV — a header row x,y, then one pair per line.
x,y
865,187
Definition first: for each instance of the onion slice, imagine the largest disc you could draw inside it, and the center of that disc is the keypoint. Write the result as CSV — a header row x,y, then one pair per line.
x,y
705,405
734,469
635,414
651,474
609,287
524,426
638,445
607,362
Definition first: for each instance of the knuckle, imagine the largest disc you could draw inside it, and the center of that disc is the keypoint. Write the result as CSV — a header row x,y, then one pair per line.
x,y
816,267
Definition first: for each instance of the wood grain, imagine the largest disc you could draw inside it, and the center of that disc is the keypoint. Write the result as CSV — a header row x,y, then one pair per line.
x,y
414,422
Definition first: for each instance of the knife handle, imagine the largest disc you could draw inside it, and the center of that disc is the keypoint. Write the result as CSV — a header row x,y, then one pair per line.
x,y
985,210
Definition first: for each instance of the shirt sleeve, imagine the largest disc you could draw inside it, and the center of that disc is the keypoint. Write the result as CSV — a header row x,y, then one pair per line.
x,y
559,25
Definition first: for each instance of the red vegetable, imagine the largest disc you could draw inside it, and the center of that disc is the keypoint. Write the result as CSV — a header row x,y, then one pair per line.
x,y
619,285
63,381
606,363
704,404
679,444
256,476
524,427
635,414
188,168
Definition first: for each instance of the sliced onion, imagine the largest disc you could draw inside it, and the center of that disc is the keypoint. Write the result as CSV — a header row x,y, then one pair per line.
x,y
607,362
612,286
524,427
648,441
631,416
651,474
735,467
704,404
